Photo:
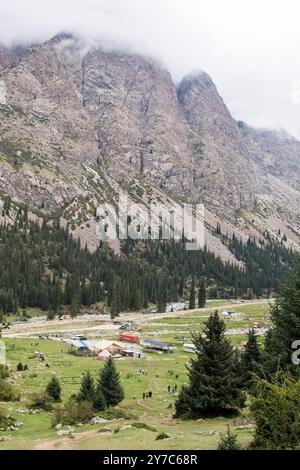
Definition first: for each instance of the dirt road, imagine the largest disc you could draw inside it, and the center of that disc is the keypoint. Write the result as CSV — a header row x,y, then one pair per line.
x,y
103,323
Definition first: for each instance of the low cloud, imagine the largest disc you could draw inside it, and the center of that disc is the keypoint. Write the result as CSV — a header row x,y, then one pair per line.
x,y
249,48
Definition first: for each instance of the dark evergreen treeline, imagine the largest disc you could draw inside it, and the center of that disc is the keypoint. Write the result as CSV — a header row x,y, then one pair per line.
x,y
266,263
44,266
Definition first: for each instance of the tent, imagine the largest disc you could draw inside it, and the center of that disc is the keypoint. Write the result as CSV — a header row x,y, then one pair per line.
x,y
111,346
104,355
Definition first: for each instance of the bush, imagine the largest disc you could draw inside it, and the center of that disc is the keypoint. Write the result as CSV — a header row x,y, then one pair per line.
x,y
276,410
41,401
4,373
8,392
161,436
53,389
228,441
144,426
114,413
73,412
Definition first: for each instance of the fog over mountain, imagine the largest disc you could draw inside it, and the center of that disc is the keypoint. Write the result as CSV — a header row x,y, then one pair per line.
x,y
249,48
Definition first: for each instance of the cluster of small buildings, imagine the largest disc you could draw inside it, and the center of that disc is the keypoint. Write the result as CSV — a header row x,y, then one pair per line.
x,y
128,345
104,349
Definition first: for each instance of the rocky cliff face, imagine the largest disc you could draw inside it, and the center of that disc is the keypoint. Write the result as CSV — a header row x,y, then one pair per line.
x,y
274,152
137,120
79,125
223,174
46,134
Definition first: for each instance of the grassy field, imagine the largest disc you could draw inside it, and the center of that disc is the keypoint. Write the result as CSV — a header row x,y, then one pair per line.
x,y
159,372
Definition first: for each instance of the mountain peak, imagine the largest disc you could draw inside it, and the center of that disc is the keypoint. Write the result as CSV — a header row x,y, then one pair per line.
x,y
196,78
62,36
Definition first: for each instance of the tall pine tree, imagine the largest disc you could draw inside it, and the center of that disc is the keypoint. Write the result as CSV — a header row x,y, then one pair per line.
x,y
110,384
162,297
202,295
214,383
286,320
251,358
192,299
87,388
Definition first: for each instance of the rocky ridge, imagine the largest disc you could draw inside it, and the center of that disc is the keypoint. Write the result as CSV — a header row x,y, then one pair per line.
x,y
79,126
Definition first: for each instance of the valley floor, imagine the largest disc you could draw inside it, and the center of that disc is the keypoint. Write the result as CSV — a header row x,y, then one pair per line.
x,y
155,372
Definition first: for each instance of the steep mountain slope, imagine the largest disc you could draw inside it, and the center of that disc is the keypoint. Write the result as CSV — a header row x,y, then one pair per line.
x,y
80,126
223,174
276,159
137,120
274,152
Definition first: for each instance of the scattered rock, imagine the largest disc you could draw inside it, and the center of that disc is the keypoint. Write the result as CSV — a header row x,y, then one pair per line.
x,y
245,426
127,426
66,432
98,420
104,429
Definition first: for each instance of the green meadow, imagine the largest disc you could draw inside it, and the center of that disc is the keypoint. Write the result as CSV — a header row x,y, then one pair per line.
x,y
155,372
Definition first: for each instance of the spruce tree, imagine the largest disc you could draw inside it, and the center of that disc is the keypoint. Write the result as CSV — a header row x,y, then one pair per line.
x,y
115,308
54,389
214,381
192,299
110,384
251,358
286,320
99,400
276,410
87,388
228,441
162,297
202,295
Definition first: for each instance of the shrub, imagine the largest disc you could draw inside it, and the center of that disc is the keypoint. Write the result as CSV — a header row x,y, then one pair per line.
x,y
5,420
8,392
4,373
144,426
53,389
276,410
161,436
73,412
114,413
41,401
228,441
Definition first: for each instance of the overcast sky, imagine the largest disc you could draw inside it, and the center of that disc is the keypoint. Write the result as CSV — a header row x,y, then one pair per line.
x,y
249,47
